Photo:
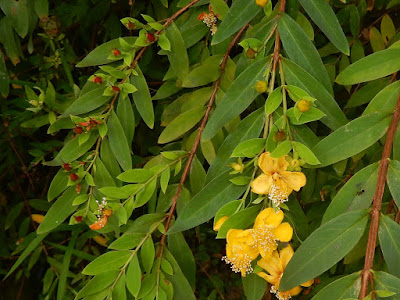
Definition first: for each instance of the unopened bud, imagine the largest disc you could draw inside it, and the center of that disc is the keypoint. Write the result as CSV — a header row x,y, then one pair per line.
x,y
251,53
261,3
261,87
280,136
37,218
304,105
219,223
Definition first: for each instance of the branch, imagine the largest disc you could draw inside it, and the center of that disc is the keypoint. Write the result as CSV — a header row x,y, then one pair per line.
x,y
377,201
197,141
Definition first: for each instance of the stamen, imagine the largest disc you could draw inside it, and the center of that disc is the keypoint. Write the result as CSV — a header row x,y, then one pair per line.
x,y
265,239
277,196
240,261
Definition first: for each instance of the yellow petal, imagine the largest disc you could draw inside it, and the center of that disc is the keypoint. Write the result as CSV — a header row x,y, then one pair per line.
x,y
262,184
285,255
269,217
236,235
294,180
219,223
270,165
294,291
272,265
271,279
308,283
284,232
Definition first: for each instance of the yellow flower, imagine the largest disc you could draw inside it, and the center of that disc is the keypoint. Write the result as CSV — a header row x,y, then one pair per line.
x,y
238,252
268,229
275,265
276,181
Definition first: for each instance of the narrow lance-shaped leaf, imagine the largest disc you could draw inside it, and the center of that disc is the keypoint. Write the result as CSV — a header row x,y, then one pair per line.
x,y
177,56
237,98
374,66
142,98
301,50
393,179
352,138
240,13
118,142
322,14
343,288
324,248
389,239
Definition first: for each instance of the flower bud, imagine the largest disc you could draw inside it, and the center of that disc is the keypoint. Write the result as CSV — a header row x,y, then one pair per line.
x,y
219,223
100,240
261,3
78,130
115,89
150,37
304,105
97,79
37,218
295,163
73,177
251,53
280,136
116,52
261,86
67,167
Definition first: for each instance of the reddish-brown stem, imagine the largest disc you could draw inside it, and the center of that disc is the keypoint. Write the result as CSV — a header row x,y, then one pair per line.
x,y
377,201
277,49
397,216
197,140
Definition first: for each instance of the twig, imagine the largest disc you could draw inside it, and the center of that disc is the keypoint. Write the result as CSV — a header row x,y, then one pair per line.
x,y
209,277
377,201
197,141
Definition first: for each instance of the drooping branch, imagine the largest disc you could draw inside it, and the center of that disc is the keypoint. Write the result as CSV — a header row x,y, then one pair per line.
x,y
197,140
377,201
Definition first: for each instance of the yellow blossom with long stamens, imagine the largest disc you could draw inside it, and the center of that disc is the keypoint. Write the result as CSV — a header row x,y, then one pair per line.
x,y
276,182
275,265
238,252
268,229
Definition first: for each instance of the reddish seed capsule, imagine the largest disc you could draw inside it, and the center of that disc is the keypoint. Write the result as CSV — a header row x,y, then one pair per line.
x,y
150,37
115,89
116,52
97,79
67,167
78,219
92,123
73,177
131,25
78,130
78,188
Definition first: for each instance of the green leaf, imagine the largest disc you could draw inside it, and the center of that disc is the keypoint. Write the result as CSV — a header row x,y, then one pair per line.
x,y
134,276
98,283
59,211
4,77
282,149
273,101
352,138
183,255
206,203
109,261
376,40
142,98
182,288
393,180
367,93
9,40
164,179
127,241
202,75
240,220
164,43
57,185
241,180
371,67
147,254
118,142
237,98
385,281
36,122
145,194
295,75
220,8
356,194
254,287
126,117
87,102
384,293
136,175
240,13
247,129
249,148
342,288
197,176
62,281
385,100
389,239
119,291
101,54
17,12
306,153
313,114
32,246
322,15
388,29
181,124
178,56
324,248
301,51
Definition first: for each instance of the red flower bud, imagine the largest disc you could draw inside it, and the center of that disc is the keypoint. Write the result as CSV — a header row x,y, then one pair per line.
x,y
73,177
116,52
115,89
67,167
78,188
97,79
131,25
150,37
78,219
78,130
92,123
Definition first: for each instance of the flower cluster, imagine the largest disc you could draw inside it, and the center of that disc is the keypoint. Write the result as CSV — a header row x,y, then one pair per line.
x,y
210,19
276,181
275,265
102,215
244,246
